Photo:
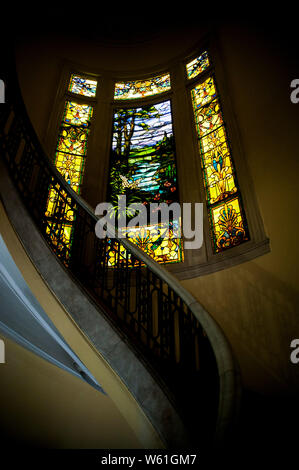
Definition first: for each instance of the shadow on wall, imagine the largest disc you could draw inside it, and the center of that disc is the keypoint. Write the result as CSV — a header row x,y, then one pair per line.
x,y
259,314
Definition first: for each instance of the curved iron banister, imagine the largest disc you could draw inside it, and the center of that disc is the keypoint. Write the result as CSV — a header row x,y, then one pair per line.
x,y
180,342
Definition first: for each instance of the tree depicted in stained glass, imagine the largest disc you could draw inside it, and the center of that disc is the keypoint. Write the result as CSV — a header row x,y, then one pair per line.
x,y
143,167
227,218
142,88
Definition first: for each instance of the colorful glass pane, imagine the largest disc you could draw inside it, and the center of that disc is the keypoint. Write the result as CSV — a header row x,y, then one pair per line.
x,y
203,93
216,161
72,142
208,118
59,206
198,65
143,168
227,220
143,155
60,217
70,158
77,114
82,86
142,88
71,167
228,225
152,240
219,178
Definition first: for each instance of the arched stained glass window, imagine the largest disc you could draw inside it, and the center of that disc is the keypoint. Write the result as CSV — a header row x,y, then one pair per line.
x,y
143,167
133,146
71,151
227,218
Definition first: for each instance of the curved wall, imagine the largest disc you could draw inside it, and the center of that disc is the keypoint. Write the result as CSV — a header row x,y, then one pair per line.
x,y
142,403
46,406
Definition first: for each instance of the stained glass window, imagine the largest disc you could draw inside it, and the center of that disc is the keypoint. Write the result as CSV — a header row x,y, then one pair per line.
x,y
82,86
71,150
198,65
72,142
227,217
142,88
150,239
143,167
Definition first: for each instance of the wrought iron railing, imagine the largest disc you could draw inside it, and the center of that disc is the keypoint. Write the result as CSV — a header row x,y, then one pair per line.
x,y
175,336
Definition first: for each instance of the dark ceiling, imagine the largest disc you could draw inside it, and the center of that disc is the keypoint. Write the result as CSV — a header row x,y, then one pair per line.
x,y
113,28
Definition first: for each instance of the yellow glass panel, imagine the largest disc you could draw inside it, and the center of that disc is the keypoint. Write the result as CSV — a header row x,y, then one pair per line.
x,y
219,176
211,141
73,140
208,118
116,254
78,114
149,239
58,207
71,150
227,222
59,233
226,219
60,236
71,168
51,202
203,93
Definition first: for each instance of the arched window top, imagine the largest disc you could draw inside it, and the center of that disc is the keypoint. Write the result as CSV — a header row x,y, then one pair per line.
x,y
142,88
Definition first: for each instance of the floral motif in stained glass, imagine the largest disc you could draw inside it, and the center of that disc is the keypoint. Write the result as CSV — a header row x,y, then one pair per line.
x,y
227,217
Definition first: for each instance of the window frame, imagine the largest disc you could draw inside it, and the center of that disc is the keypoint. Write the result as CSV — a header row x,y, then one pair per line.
x,y
139,103
196,262
258,244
